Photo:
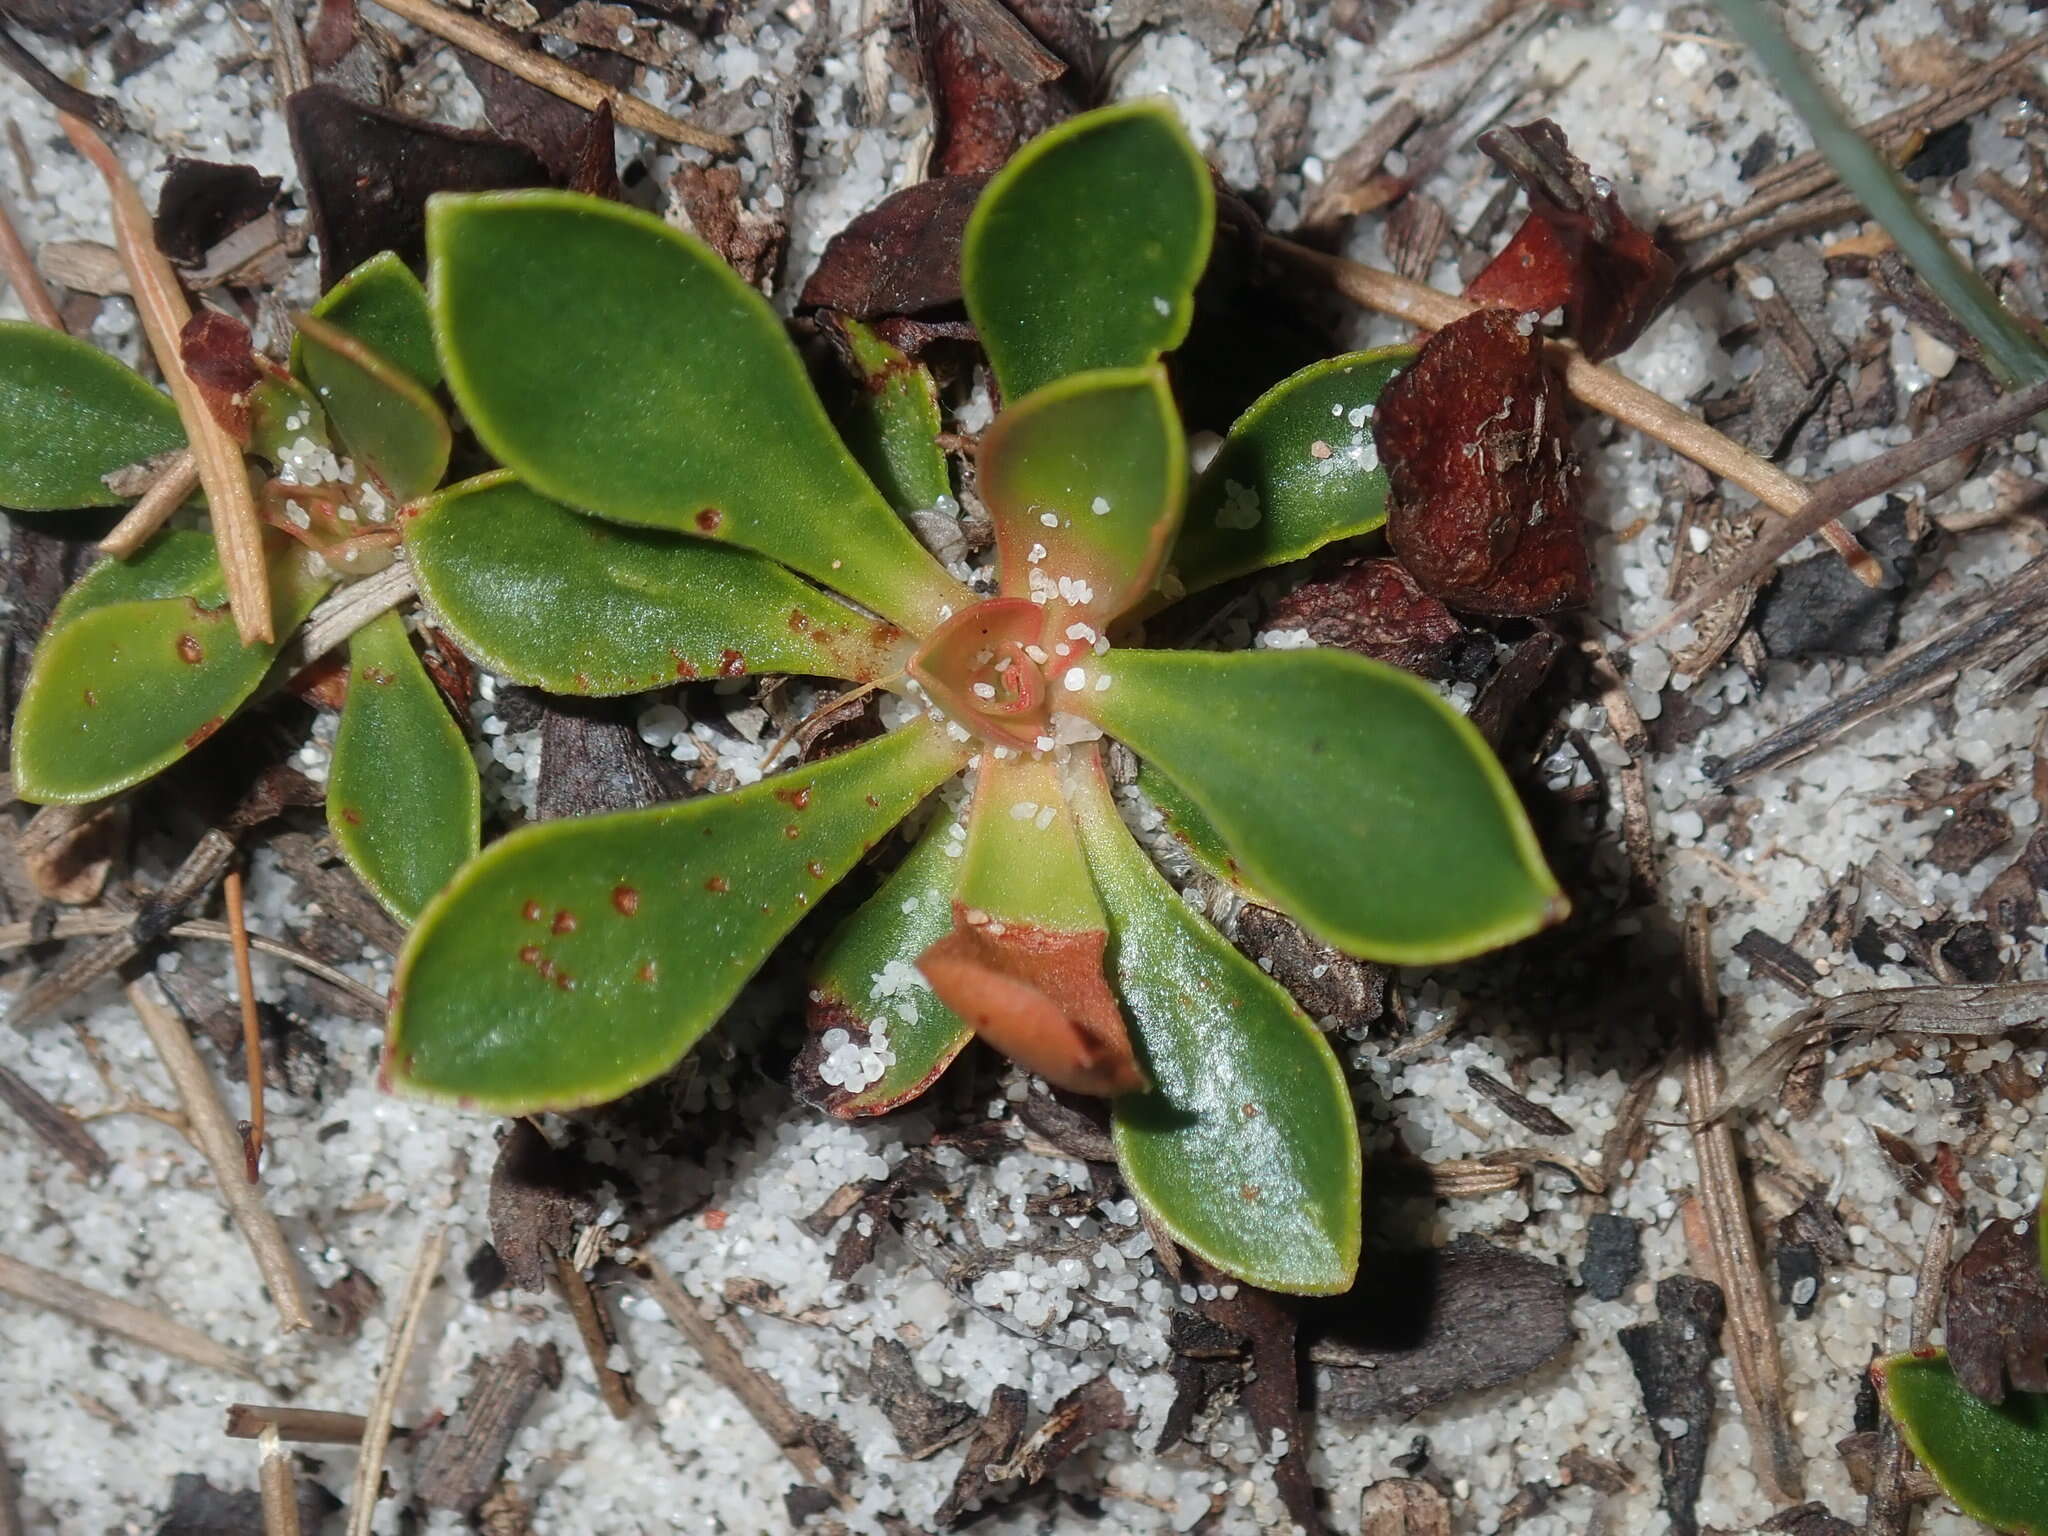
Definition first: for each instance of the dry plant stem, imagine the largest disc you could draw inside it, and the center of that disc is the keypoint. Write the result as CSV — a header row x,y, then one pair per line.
x,y
280,1495
1601,388
1627,724
80,925
216,1138
550,74
170,490
762,1399
252,1024
61,1130
339,616
377,1425
612,1386
20,269
110,1314
1749,1333
1849,489
307,1426
161,304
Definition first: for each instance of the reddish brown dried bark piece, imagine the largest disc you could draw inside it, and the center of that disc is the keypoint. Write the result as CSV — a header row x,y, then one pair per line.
x,y
1373,607
217,354
1484,504
1039,996
902,256
1576,249
983,112
1997,1318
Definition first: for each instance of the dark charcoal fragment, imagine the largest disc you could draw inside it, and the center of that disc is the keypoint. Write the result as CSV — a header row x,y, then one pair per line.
x,y
1817,607
368,173
485,1272
1944,152
1614,1251
1208,1367
202,203
1968,838
1779,961
1808,1520
1422,1328
924,1421
1763,149
539,1196
806,1501
1997,1318
1973,952
200,1509
1799,1278
1671,1358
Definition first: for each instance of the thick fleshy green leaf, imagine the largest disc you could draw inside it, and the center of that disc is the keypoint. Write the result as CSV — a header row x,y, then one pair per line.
x,y
282,415
1298,470
384,306
402,792
621,368
1023,862
1351,793
178,562
381,415
70,414
866,977
573,604
1084,250
1194,831
1992,1459
892,426
120,690
1246,1146
1084,481
577,959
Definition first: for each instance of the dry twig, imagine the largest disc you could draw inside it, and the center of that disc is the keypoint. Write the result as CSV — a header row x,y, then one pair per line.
x,y
552,75
307,1426
1603,389
1731,1257
279,1488
110,1314
252,1024
163,309
377,1422
615,1387
70,1140
215,1136
170,490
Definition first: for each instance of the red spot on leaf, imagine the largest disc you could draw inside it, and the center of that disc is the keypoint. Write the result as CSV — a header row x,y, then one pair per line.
x,y
718,885
798,799
531,911
817,869
792,831
529,955
873,803
799,621
352,816
92,699
646,972
1040,997
709,519
1577,249
1484,510
685,668
626,900
204,731
190,651
565,922
731,664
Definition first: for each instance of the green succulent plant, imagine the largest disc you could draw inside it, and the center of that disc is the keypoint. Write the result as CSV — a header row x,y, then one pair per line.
x,y
675,503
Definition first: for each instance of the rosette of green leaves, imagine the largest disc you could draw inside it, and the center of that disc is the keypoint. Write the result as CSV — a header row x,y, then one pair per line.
x,y
669,472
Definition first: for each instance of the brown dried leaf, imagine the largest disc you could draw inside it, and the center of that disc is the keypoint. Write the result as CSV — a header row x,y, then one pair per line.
x,y
1374,607
1484,510
1040,997
751,243
202,203
901,257
983,113
539,1197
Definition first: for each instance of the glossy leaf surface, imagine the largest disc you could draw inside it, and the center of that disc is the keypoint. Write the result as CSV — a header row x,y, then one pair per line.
x,y
382,416
575,960
1298,470
1991,1459
121,689
1193,830
1084,481
866,975
402,792
70,414
384,306
1085,249
623,369
1246,1147
1349,791
573,604
893,424
178,562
